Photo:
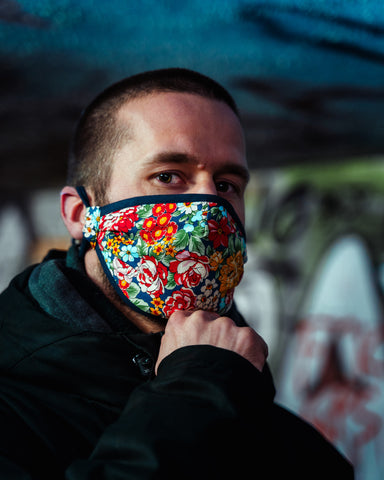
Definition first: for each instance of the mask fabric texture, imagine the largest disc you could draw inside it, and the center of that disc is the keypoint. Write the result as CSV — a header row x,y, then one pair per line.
x,y
164,253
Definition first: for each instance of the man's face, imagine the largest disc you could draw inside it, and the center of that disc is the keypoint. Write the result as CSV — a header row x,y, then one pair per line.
x,y
180,143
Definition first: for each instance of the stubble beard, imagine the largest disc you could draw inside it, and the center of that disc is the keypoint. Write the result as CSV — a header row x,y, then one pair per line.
x,y
142,321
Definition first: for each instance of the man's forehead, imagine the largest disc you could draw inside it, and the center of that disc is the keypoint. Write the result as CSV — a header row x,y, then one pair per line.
x,y
178,128
180,110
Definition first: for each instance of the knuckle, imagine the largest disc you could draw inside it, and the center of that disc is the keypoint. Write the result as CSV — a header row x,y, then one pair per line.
x,y
247,333
206,315
250,335
177,318
227,322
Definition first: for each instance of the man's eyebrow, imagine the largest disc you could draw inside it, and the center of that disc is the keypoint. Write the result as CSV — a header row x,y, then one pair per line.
x,y
235,169
184,158
170,157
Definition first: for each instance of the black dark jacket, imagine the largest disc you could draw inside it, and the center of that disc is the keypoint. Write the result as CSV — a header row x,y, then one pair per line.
x,y
79,399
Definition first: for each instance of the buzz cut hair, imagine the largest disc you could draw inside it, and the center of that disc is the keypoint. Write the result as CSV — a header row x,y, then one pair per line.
x,y
99,134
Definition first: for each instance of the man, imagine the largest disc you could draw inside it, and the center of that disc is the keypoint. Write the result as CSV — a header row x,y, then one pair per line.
x,y
125,357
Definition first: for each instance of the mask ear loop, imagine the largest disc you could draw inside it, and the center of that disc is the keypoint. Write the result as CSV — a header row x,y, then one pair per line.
x,y
83,195
84,245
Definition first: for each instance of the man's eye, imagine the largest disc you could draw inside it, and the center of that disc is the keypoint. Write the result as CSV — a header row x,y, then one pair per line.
x,y
223,187
165,177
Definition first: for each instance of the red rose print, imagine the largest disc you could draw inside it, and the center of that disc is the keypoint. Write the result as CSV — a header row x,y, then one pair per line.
x,y
152,276
120,222
127,221
100,237
182,299
189,268
123,273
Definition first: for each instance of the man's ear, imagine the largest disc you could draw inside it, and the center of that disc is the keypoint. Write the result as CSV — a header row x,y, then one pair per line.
x,y
72,212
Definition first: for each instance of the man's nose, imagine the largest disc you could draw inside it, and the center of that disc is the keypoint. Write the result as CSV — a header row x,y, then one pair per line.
x,y
205,185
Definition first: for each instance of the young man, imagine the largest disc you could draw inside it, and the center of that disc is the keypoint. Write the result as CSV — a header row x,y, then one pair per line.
x,y
125,357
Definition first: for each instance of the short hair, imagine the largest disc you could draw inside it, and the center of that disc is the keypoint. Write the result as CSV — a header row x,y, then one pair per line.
x,y
99,134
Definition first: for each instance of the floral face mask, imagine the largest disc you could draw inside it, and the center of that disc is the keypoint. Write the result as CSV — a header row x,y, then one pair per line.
x,y
165,253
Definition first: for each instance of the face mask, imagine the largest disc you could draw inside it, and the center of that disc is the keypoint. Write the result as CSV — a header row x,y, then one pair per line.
x,y
165,253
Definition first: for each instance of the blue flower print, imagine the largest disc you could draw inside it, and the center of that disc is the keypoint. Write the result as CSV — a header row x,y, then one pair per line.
x,y
188,227
223,211
198,216
129,253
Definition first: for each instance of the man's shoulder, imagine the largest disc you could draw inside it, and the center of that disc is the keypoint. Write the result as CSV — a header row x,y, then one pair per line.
x,y
24,325
19,284
17,295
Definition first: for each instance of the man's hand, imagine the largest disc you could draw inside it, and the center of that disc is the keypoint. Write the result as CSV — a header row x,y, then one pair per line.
x,y
208,328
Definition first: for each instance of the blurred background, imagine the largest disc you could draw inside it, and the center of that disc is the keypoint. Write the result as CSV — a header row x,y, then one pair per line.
x,y
308,76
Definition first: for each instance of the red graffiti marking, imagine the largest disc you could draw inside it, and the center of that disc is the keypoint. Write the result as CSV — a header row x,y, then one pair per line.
x,y
338,374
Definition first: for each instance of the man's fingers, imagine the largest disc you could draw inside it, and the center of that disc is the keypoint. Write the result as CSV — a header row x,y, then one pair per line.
x,y
200,327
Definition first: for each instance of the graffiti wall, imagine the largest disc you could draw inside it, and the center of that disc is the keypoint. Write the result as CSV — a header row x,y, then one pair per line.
x,y
316,269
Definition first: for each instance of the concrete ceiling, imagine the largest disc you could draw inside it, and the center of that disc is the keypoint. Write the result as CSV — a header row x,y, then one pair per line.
x,y
308,75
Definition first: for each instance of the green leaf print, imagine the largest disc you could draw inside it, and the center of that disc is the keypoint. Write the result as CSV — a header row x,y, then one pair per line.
x,y
133,290
181,240
171,284
140,304
196,245
144,210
